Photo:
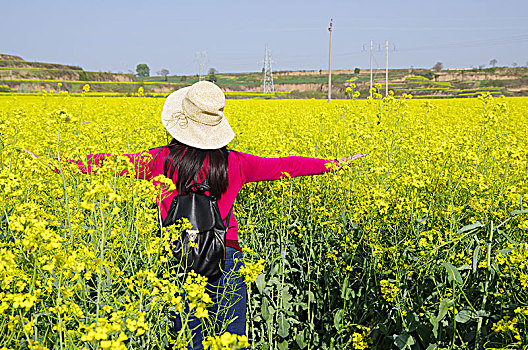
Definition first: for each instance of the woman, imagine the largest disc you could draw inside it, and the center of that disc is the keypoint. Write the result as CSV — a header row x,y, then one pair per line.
x,y
194,117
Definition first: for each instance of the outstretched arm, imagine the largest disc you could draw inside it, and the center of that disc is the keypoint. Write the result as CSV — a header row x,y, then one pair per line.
x,y
261,169
142,163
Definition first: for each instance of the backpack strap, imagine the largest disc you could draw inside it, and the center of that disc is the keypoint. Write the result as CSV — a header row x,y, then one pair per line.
x,y
200,187
229,217
230,210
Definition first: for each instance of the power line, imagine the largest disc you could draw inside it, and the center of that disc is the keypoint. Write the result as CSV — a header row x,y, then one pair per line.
x,y
473,44
492,42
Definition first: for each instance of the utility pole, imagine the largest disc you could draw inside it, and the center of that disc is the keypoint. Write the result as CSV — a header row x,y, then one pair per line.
x,y
370,69
386,64
267,74
386,68
330,64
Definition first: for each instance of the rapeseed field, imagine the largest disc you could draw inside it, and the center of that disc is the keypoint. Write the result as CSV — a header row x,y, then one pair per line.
x,y
422,244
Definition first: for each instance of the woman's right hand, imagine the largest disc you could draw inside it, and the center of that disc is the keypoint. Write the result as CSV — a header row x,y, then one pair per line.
x,y
47,163
29,152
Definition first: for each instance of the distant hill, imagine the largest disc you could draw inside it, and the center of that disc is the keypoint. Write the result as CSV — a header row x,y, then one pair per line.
x,y
5,57
10,61
18,75
418,82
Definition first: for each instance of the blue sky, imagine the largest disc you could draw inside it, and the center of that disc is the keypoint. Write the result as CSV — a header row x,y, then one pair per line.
x,y
117,35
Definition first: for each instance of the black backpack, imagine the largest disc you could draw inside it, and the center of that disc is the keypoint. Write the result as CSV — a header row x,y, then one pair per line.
x,y
208,232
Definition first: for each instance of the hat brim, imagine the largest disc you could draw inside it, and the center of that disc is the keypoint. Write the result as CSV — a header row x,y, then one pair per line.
x,y
190,132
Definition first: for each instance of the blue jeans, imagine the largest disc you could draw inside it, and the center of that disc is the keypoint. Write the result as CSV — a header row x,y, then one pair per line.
x,y
229,296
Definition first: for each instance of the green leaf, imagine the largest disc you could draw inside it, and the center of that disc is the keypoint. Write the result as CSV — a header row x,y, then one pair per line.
x,y
338,316
506,236
292,226
261,283
403,341
284,326
274,281
465,315
351,294
453,273
283,345
518,212
503,251
271,311
265,310
483,313
476,254
286,298
421,219
5,219
445,304
434,322
299,339
383,328
470,227
412,321
275,270
344,289
344,218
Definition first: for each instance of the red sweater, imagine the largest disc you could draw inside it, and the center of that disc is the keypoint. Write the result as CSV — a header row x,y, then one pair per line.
x,y
242,168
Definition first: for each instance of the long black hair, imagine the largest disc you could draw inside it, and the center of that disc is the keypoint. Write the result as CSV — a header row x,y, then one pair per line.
x,y
210,165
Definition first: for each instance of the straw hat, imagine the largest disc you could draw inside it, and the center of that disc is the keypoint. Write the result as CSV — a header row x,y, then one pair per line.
x,y
194,115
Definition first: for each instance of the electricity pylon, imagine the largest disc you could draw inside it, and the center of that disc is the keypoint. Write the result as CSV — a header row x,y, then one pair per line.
x,y
267,74
201,57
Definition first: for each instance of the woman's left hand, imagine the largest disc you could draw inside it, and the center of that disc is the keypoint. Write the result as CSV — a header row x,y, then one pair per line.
x,y
348,160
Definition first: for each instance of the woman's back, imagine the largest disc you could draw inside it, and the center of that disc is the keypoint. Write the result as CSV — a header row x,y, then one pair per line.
x,y
242,168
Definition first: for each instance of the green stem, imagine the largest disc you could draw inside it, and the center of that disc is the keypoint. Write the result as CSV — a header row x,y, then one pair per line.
x,y
486,284
59,314
454,316
99,279
64,188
